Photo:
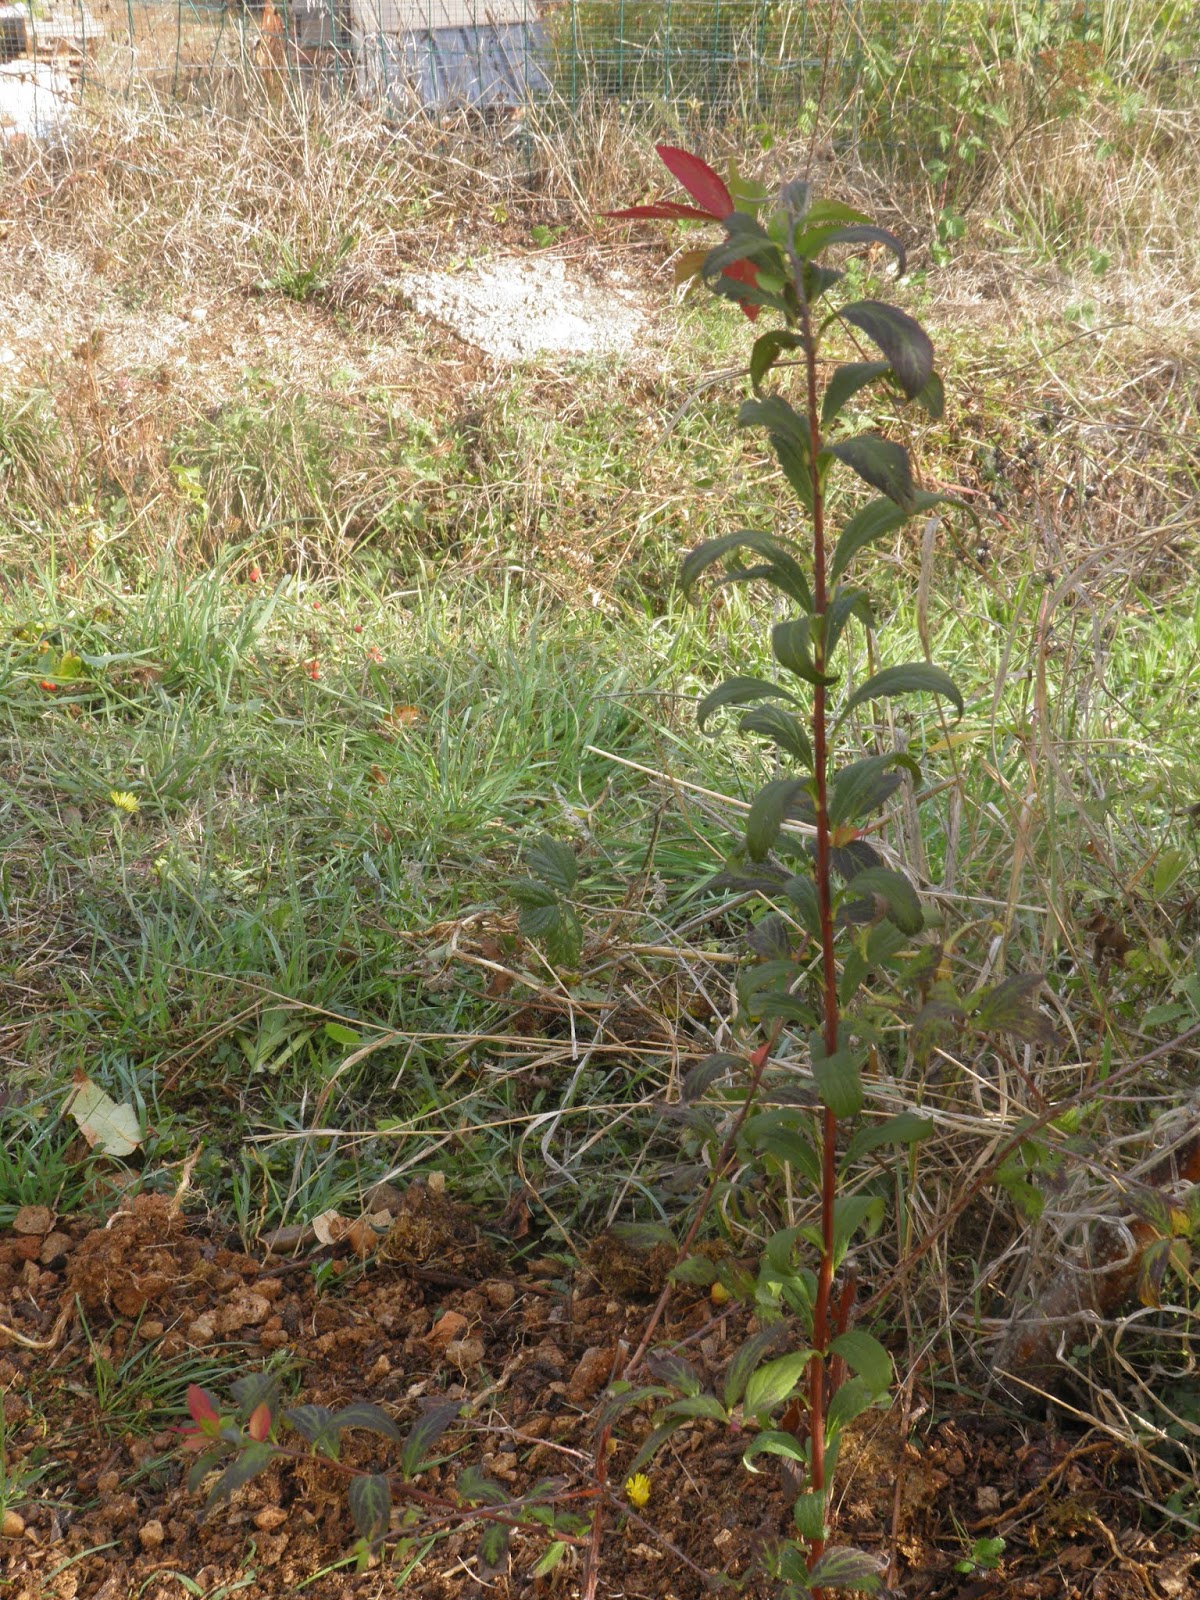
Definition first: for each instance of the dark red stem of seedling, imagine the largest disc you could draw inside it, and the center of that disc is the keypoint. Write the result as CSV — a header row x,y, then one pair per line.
x,y
817,1397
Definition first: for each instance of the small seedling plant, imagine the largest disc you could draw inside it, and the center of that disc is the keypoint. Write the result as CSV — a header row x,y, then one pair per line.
x,y
809,843
389,1506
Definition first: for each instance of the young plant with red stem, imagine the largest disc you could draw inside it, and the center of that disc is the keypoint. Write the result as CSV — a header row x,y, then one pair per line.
x,y
805,839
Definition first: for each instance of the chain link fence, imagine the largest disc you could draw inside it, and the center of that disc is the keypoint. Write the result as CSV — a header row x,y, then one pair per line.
x,y
882,69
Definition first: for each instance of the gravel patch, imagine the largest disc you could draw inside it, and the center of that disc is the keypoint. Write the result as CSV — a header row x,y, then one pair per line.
x,y
517,309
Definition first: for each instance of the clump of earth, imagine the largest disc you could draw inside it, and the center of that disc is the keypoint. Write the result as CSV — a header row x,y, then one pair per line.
x,y
516,309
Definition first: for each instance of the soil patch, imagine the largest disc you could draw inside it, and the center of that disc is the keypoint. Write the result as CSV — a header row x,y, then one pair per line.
x,y
104,1325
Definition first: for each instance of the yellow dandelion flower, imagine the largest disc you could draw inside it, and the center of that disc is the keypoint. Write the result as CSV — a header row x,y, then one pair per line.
x,y
637,1490
124,801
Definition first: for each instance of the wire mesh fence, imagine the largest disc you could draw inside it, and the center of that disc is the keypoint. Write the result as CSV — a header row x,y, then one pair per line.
x,y
871,62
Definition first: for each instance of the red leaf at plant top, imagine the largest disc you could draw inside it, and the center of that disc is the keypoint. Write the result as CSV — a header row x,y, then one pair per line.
x,y
744,272
202,1406
705,186
259,1425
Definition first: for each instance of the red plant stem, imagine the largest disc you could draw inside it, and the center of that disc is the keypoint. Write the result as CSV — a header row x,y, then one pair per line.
x,y
824,886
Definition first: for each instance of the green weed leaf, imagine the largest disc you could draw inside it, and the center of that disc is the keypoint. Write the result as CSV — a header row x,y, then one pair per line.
x,y
554,861
362,1414
1009,1008
905,1128
550,1558
700,1078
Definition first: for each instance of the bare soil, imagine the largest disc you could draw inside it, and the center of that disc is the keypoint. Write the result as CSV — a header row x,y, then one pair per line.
x,y
440,1310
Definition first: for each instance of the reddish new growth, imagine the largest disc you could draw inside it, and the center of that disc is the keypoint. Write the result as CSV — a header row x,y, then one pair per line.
x,y
715,204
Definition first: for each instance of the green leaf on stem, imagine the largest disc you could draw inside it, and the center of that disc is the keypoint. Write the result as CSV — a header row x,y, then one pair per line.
x,y
370,1499
902,339
814,239
697,1270
554,861
654,1442
844,384
491,1559
747,1357
864,1355
851,1400
740,692
768,810
664,1366
808,1513
893,895
250,1461
780,567
425,1432
852,1212
775,1133
915,677
882,464
479,1490
845,1568
905,1128
790,438
864,786
838,1077
776,1382
773,1442
931,397
706,1406
705,1073
847,601
802,893
203,1465
880,517
791,644
784,731
362,1414
1009,1008
767,350
550,1558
